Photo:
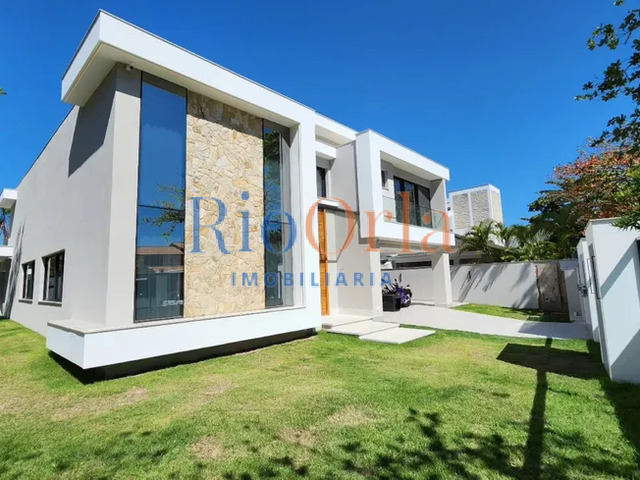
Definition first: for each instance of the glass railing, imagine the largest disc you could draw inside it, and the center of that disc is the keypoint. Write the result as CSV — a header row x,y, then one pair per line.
x,y
416,215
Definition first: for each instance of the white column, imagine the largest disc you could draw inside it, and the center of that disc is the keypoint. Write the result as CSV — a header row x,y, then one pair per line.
x,y
442,294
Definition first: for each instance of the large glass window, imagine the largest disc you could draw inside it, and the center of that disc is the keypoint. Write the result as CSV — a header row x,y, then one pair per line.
x,y
277,228
27,280
419,202
53,277
161,198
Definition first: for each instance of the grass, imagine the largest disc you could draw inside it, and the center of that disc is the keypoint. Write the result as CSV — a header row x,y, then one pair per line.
x,y
453,405
532,314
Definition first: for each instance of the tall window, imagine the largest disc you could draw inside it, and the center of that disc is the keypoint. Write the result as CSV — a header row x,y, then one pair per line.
x,y
161,198
278,231
419,202
321,182
53,277
27,280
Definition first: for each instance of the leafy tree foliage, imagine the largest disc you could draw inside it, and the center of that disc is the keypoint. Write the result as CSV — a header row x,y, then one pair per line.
x,y
621,79
4,223
482,239
590,187
497,243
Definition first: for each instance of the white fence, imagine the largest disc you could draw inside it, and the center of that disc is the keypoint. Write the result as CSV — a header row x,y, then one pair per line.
x,y
551,286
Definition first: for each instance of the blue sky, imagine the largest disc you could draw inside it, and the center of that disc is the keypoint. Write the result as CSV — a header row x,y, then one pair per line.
x,y
486,88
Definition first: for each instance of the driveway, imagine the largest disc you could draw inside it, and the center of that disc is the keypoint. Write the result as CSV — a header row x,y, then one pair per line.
x,y
448,319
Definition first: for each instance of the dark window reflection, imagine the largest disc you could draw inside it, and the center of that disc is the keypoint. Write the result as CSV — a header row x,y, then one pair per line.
x,y
321,182
419,202
161,196
53,277
277,229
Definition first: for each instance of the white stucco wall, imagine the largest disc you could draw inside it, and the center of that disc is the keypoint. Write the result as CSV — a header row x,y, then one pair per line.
x,y
352,299
617,273
65,203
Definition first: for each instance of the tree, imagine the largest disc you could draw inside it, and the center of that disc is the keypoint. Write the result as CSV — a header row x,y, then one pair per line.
x,y
2,92
588,188
621,79
481,239
515,243
4,223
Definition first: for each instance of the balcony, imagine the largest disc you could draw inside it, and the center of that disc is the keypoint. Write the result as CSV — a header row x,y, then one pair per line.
x,y
403,170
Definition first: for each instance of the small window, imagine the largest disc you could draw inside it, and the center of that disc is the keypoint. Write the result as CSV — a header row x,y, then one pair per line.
x,y
383,175
53,277
321,182
27,280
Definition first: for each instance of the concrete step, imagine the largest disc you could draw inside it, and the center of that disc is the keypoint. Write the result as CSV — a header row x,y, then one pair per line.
x,y
331,321
397,336
365,327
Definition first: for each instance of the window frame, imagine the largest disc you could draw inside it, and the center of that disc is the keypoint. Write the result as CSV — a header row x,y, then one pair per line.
x,y
141,204
28,295
415,217
58,285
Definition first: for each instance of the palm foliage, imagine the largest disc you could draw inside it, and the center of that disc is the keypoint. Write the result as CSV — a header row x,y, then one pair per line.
x,y
497,243
4,223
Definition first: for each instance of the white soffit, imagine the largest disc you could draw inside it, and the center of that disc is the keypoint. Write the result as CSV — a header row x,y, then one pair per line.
x,y
111,40
406,159
8,197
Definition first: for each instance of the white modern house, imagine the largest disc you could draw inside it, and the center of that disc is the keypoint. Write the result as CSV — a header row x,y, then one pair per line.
x,y
180,207
609,263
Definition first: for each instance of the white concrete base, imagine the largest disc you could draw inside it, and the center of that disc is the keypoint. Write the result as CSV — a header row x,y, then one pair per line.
x,y
89,346
366,327
397,336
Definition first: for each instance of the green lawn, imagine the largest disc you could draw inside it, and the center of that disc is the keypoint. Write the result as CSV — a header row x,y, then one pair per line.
x,y
452,405
518,313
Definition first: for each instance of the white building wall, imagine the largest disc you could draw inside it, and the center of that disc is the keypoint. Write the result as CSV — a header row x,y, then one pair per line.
x,y
615,257
65,204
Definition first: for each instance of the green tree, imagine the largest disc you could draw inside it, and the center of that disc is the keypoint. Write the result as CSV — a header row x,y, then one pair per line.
x,y
4,223
497,243
621,79
588,188
481,239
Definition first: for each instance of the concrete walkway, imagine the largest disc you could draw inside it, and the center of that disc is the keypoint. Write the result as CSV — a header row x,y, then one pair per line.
x,y
448,319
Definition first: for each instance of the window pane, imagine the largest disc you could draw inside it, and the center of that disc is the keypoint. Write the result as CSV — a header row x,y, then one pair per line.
x,y
162,142
159,264
424,205
53,280
27,286
161,184
321,182
277,230
272,172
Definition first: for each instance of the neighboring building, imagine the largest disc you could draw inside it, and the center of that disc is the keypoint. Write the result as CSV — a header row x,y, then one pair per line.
x,y
609,264
471,206
118,252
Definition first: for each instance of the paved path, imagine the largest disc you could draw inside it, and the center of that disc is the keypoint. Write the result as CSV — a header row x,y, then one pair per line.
x,y
448,319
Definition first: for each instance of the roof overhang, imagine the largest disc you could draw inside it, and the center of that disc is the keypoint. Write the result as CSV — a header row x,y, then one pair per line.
x,y
402,157
111,40
6,251
8,197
